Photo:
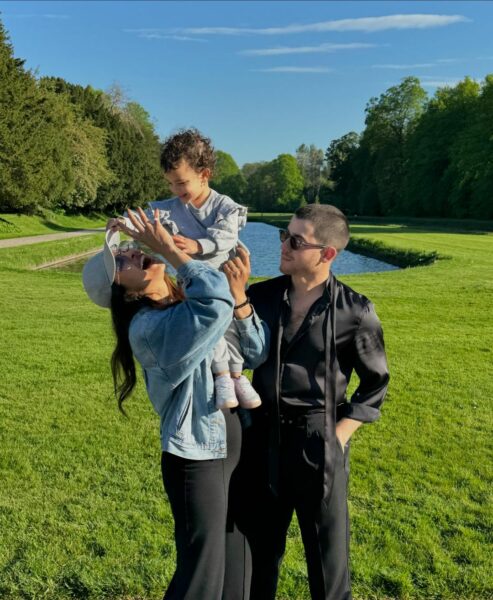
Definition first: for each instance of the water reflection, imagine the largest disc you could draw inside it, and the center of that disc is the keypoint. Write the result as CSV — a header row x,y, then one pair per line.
x,y
263,242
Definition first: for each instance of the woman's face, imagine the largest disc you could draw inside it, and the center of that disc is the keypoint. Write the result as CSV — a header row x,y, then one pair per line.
x,y
138,272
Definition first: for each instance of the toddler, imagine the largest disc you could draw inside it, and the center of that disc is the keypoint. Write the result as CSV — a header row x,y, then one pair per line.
x,y
205,225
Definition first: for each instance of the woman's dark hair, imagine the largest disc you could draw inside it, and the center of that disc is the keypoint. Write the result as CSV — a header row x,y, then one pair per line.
x,y
189,145
123,310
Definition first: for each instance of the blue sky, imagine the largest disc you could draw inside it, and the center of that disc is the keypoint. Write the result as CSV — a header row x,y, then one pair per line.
x,y
260,78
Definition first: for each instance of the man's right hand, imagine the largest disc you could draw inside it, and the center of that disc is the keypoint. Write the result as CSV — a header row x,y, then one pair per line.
x,y
237,271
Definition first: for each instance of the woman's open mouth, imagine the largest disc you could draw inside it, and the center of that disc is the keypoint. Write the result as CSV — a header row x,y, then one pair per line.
x,y
147,261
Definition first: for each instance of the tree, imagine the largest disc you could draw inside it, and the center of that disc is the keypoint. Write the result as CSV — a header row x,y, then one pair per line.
x,y
227,177
390,119
282,183
310,161
132,147
470,158
340,157
89,163
35,170
432,178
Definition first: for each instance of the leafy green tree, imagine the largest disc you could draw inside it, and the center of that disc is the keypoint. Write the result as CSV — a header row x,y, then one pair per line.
x,y
432,178
468,172
340,157
390,119
286,182
248,169
227,177
89,163
132,147
276,186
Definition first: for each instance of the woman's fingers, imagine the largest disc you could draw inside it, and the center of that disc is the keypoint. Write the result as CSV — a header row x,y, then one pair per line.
x,y
143,218
137,223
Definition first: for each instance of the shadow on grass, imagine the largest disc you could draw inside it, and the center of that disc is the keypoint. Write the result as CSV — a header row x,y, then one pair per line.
x,y
410,225
424,230
63,228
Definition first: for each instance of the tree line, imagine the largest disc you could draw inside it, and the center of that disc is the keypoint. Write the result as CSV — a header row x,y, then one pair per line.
x,y
65,146
419,156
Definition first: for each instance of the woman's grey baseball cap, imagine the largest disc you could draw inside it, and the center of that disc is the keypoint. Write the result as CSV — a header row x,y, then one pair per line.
x,y
99,271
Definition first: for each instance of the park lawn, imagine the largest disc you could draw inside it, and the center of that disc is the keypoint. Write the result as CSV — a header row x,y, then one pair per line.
x,y
14,225
82,512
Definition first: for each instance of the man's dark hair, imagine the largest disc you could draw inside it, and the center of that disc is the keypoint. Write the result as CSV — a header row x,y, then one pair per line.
x,y
189,145
330,225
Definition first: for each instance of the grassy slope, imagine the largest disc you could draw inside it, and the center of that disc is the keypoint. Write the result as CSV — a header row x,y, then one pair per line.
x,y
12,226
82,513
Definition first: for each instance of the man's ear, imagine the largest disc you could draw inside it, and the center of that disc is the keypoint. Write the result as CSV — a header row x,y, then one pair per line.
x,y
329,254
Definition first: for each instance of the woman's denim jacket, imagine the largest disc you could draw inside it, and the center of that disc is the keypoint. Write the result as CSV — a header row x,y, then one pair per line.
x,y
175,346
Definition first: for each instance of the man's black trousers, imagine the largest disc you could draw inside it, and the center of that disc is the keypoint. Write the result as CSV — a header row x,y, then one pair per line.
x,y
323,522
212,557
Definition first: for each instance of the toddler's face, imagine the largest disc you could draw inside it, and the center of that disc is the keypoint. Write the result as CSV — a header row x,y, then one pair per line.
x,y
186,183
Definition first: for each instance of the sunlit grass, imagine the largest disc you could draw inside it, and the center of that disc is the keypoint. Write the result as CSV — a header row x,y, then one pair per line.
x,y
82,511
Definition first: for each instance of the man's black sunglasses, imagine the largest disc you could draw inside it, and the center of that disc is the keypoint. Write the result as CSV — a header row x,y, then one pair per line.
x,y
295,242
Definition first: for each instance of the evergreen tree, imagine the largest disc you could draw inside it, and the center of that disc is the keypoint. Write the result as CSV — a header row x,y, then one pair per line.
x,y
35,166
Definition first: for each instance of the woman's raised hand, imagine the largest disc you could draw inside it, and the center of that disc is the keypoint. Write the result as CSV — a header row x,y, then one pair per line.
x,y
149,232
154,235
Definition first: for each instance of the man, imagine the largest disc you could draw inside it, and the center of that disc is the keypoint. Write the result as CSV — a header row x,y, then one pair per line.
x,y
296,453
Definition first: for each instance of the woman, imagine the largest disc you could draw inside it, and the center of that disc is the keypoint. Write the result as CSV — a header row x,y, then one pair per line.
x,y
172,332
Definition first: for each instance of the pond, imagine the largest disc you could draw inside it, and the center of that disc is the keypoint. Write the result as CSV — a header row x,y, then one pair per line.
x,y
264,245
263,242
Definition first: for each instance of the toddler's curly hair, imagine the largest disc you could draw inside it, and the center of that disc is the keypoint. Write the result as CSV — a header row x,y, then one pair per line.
x,y
189,145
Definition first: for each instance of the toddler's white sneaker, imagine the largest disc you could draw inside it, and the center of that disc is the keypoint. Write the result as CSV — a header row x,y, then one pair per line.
x,y
224,389
246,395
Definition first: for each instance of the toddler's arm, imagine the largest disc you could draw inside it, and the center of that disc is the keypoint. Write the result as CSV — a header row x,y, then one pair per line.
x,y
222,235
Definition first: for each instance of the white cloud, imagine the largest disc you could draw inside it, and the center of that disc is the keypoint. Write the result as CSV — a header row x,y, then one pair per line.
x,y
294,70
415,66
54,16
322,48
441,82
368,24
161,34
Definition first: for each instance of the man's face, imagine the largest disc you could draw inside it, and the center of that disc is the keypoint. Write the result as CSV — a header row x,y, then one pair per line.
x,y
304,261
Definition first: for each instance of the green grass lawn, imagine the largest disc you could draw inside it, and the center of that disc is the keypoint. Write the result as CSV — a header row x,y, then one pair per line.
x,y
82,511
12,226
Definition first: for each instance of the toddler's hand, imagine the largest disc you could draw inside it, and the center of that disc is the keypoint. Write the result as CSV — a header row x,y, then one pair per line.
x,y
187,245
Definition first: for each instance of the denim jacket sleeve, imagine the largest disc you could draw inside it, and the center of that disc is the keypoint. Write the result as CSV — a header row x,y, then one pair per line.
x,y
222,235
371,367
254,337
181,337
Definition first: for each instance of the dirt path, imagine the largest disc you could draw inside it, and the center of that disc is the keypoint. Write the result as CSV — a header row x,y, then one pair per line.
x,y
37,239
